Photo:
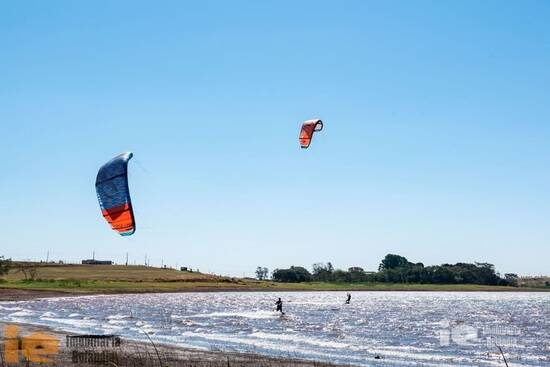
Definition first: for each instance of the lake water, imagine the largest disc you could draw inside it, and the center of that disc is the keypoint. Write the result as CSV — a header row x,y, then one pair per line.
x,y
401,328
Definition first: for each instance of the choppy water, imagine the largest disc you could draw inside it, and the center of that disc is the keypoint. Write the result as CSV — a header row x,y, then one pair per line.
x,y
402,328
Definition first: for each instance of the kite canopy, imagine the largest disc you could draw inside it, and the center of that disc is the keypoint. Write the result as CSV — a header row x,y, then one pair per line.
x,y
114,195
308,128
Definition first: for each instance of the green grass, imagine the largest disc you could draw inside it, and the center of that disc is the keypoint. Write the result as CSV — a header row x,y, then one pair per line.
x,y
102,286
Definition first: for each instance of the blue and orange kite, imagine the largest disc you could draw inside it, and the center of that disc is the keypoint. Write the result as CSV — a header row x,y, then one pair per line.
x,y
114,195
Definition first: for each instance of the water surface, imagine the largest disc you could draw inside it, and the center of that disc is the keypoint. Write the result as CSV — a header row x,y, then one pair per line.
x,y
401,328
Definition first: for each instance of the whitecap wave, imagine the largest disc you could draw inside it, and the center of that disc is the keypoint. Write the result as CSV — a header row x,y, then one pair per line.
x,y
22,313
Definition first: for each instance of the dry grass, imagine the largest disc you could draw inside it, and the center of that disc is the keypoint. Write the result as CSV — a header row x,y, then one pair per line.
x,y
131,273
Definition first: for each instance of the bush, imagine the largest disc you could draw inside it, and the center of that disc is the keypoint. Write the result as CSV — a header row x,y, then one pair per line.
x,y
4,265
295,274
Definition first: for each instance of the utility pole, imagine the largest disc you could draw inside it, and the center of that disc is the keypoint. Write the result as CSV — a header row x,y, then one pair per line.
x,y
93,255
48,257
126,259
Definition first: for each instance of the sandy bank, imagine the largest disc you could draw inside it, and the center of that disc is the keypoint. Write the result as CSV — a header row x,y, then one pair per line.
x,y
132,353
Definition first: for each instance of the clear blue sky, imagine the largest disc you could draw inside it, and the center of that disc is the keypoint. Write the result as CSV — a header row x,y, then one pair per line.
x,y
435,146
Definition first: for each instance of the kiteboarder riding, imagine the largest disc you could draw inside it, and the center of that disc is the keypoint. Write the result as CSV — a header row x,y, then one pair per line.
x,y
349,299
279,305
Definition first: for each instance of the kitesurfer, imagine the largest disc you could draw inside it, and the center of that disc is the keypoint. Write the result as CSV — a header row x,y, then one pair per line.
x,y
279,305
348,300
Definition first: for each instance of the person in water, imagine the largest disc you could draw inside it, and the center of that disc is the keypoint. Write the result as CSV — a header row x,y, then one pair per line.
x,y
349,299
279,305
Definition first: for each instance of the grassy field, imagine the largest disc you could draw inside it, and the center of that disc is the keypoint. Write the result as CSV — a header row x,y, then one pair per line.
x,y
132,273
93,279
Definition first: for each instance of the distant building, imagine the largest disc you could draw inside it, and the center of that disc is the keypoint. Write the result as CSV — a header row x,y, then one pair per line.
x,y
96,262
356,269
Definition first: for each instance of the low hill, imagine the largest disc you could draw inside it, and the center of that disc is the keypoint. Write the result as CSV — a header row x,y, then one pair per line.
x,y
131,273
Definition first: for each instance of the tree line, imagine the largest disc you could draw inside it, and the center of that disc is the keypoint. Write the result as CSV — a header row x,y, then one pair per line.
x,y
394,269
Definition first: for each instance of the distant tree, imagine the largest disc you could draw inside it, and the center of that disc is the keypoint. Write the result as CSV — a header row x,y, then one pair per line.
x,y
392,261
357,275
390,276
29,270
4,265
318,268
414,274
486,274
262,273
302,273
442,275
512,279
341,276
323,272
295,274
397,269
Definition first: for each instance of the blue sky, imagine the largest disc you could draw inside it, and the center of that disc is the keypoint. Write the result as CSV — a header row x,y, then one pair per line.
x,y
435,146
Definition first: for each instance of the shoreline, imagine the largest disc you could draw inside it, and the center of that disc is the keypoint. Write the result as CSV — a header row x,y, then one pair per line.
x,y
133,352
18,294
